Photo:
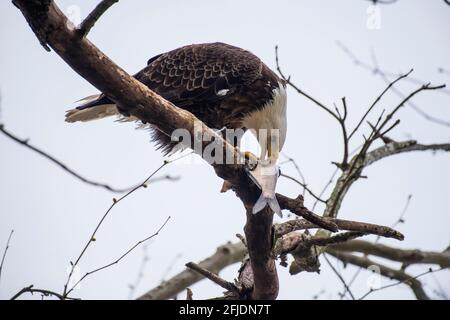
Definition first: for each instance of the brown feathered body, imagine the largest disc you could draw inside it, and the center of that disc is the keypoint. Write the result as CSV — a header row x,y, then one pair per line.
x,y
222,85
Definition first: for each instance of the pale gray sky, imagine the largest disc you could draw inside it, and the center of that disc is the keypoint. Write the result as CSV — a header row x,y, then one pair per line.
x,y
53,214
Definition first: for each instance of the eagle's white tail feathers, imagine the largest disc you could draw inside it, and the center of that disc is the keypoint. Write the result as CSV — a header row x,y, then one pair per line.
x,y
88,114
89,98
94,113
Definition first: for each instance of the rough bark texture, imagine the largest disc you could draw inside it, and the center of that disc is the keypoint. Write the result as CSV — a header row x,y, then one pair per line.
x,y
225,255
258,277
54,31
399,275
396,254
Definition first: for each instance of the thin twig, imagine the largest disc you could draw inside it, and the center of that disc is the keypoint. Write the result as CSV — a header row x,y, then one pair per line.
x,y
325,187
410,279
377,100
385,271
44,292
383,1
297,168
25,143
140,274
288,81
341,278
376,70
4,252
93,17
170,266
345,137
397,222
425,87
401,218
119,259
115,202
304,186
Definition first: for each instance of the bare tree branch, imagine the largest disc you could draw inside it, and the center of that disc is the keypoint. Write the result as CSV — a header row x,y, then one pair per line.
x,y
296,88
390,273
390,85
133,286
358,163
93,17
296,206
189,294
412,281
67,292
293,225
394,148
291,242
229,254
383,1
25,143
396,254
304,186
400,219
213,277
258,276
50,25
5,252
114,203
225,255
376,70
339,275
44,292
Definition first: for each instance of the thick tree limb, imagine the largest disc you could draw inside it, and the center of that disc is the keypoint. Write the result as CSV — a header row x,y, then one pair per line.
x,y
52,28
393,148
47,21
296,206
390,273
294,241
369,228
213,277
225,255
132,97
358,163
396,254
262,262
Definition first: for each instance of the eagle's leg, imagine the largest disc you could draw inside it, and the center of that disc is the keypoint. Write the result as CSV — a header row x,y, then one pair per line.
x,y
250,160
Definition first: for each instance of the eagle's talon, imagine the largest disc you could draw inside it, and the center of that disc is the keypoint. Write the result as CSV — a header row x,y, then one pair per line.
x,y
249,162
251,166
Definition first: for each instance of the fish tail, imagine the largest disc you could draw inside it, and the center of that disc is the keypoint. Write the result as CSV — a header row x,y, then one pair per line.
x,y
263,201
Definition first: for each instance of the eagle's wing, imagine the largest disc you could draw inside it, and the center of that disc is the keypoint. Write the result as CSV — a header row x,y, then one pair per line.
x,y
200,74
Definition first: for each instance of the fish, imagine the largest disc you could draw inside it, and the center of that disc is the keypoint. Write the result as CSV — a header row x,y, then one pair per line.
x,y
265,176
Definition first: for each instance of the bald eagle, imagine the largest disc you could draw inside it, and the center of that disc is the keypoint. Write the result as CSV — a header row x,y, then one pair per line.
x,y
223,86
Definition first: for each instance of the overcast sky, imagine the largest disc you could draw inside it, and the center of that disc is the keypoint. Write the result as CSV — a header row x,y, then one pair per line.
x,y
53,214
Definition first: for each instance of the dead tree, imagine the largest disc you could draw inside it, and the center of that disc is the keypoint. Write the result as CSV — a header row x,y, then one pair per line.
x,y
264,242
